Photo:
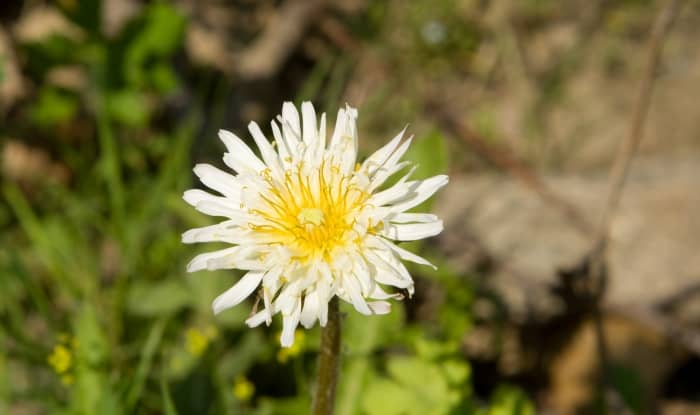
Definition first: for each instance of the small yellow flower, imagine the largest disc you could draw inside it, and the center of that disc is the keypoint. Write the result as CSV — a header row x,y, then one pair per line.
x,y
243,389
286,353
196,342
60,359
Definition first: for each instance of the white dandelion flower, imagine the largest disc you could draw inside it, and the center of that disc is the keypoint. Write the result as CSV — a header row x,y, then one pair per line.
x,y
306,222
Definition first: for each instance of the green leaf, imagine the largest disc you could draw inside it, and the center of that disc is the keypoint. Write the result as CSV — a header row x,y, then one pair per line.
x,y
433,350
159,35
128,107
54,107
163,78
408,391
509,400
386,397
413,372
456,371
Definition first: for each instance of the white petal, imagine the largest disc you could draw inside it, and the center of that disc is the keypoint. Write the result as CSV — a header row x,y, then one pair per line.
x,y
194,196
352,287
380,307
395,264
379,294
396,193
322,132
289,325
257,319
246,264
309,314
349,158
287,299
197,197
406,255
412,231
200,261
404,217
268,294
237,235
271,284
239,292
218,180
391,277
390,166
362,273
212,205
344,140
379,157
269,154
423,191
291,132
272,277
209,233
244,257
239,157
389,270
309,123
285,150
290,115
340,122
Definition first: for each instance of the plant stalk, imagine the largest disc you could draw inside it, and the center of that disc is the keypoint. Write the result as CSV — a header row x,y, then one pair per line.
x,y
328,363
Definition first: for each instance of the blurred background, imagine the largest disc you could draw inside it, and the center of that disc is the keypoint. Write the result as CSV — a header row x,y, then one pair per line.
x,y
106,105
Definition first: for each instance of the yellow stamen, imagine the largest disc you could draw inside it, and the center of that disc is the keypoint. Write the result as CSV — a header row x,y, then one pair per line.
x,y
312,214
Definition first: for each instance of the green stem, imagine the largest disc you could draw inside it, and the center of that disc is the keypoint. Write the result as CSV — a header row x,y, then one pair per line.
x,y
328,363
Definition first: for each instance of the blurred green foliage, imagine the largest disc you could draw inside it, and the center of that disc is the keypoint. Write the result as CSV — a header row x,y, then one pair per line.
x,y
95,265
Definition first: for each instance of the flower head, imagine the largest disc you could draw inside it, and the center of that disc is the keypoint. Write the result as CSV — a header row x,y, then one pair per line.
x,y
307,222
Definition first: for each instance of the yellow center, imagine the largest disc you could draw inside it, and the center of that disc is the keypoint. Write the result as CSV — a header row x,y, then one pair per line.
x,y
312,214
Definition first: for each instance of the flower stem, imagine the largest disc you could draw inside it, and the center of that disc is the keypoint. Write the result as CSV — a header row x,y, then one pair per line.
x,y
328,362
